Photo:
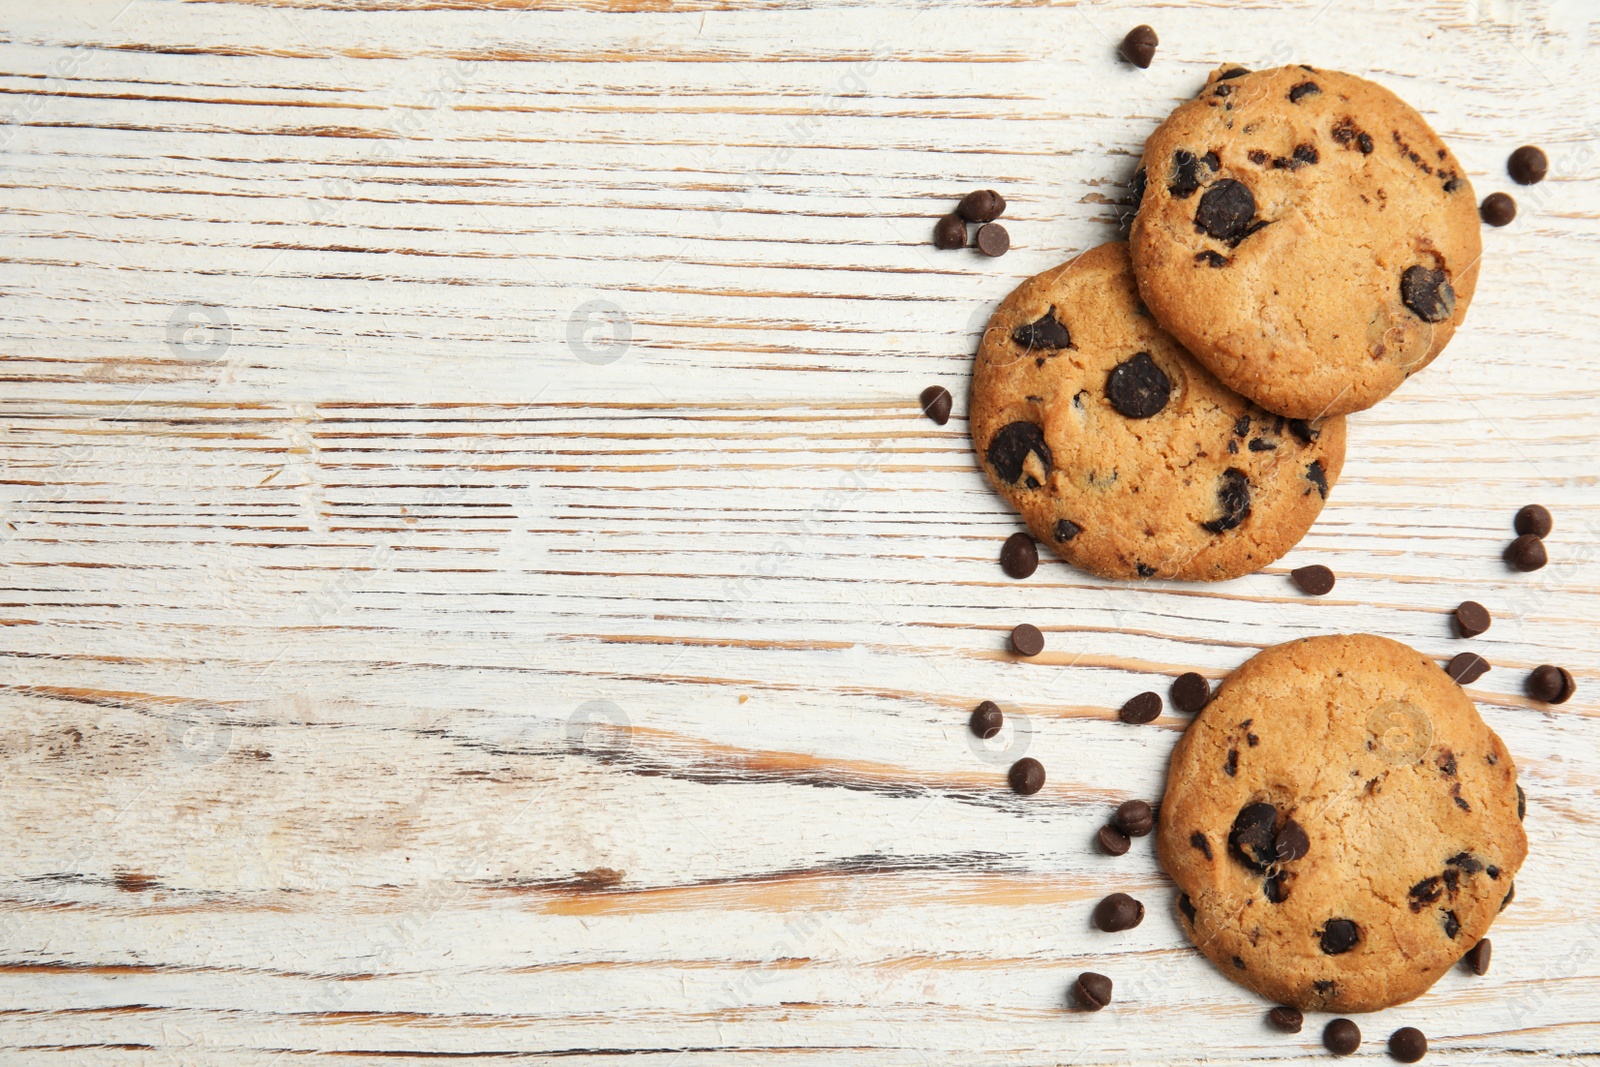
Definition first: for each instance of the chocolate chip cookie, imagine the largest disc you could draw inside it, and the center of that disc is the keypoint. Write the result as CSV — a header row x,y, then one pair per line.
x,y
1124,454
1306,235
1341,824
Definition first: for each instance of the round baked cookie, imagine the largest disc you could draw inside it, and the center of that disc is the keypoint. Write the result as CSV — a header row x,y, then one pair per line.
x,y
1306,235
1124,454
1342,825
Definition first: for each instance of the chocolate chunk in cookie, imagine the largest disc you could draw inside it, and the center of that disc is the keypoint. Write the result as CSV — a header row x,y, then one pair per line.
x,y
1427,293
1009,451
1044,332
1137,387
1233,496
1227,211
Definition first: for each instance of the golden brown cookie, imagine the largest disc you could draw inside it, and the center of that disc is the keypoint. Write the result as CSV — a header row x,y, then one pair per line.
x,y
1124,454
1341,823
1306,235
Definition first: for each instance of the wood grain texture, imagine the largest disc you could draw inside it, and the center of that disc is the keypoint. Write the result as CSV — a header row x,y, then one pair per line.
x,y
477,583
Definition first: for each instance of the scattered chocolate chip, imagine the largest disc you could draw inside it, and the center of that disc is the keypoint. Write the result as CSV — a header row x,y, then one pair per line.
x,y
1261,444
1026,776
1008,452
1118,912
1287,1019
1498,209
1027,640
1232,72
1528,165
1233,494
1467,667
1297,94
1134,818
1526,553
936,403
1511,895
1139,47
1198,840
1113,842
1451,924
1472,618
986,719
1316,579
1351,136
981,205
1318,478
1305,154
1232,765
1138,388
1191,692
950,232
1257,156
1477,957
1551,684
1066,530
1408,1045
993,240
1092,991
1303,430
1226,211
1339,936
1186,906
1253,838
1185,174
1453,184
1141,709
1427,293
1214,260
1145,570
1019,556
1292,842
1045,332
1276,887
1533,519
1342,1037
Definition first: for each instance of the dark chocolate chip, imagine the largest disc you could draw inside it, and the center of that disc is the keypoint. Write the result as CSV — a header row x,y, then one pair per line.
x,y
1467,667
1287,1019
1026,776
1139,47
1092,991
1522,804
1008,452
1198,840
1141,709
1214,260
1511,894
1533,519
1138,388
1232,765
936,403
1551,684
1318,478
1408,1045
950,232
1191,692
1498,209
993,240
1118,912
1135,818
1253,838
1226,211
1186,905
1472,618
1238,961
1297,94
1276,887
1477,957
1351,136
986,719
1113,842
1339,936
1453,184
1233,494
1341,1037
1019,556
1066,530
1425,892
1261,444
1242,426
1526,553
1026,640
981,205
1316,579
1257,156
1306,154
1044,332
1136,191
1427,293
1451,924
1303,430
1232,72
1292,842
1145,570
1185,175
1528,165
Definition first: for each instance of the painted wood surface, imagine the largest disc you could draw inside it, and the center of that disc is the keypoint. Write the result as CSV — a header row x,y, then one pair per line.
x,y
477,583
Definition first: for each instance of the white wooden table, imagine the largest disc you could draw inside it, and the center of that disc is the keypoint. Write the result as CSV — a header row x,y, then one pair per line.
x,y
478,585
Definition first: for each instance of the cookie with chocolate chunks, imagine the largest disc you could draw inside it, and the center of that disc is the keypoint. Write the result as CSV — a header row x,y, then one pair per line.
x,y
1341,823
1306,235
1124,455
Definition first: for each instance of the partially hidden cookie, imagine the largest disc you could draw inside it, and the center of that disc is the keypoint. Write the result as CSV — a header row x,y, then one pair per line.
x,y
1120,451
1306,235
1341,824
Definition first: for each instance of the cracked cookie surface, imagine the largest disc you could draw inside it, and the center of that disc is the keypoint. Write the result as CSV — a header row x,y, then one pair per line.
x,y
1342,825
1120,451
1306,235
